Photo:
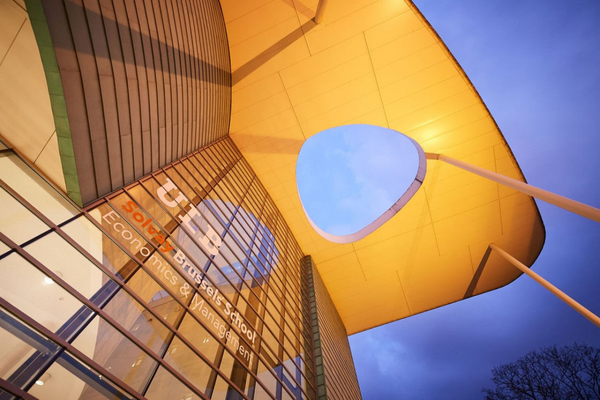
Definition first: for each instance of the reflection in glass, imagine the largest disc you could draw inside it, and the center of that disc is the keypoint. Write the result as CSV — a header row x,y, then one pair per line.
x,y
68,379
68,263
188,364
268,381
134,317
17,222
34,189
166,386
34,293
216,229
19,344
204,342
116,353
91,239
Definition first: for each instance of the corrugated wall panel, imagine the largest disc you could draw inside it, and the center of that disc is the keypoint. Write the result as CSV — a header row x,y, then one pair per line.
x,y
334,366
145,83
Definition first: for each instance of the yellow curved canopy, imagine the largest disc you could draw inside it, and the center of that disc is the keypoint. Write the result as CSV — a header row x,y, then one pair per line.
x,y
379,63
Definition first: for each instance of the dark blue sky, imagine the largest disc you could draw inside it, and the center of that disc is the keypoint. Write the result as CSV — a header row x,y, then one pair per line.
x,y
536,65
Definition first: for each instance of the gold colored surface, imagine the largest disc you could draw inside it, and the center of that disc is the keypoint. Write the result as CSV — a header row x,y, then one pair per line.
x,y
379,63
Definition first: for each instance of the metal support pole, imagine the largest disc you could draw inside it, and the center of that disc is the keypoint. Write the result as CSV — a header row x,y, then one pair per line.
x,y
553,289
563,202
320,11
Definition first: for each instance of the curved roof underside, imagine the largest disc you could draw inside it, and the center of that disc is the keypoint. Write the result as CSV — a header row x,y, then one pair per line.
x,y
379,63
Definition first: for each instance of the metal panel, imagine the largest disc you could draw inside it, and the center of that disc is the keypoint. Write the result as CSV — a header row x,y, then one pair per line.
x,y
145,83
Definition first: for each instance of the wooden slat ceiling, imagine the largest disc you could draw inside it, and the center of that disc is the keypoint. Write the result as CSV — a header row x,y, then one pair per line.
x,y
379,63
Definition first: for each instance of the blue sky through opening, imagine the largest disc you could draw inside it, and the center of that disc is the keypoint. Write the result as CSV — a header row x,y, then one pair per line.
x,y
350,175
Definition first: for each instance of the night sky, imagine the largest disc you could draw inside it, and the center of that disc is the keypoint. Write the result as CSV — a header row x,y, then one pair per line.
x,y
536,64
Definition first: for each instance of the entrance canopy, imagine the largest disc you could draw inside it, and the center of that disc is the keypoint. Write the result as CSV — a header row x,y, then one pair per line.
x,y
379,63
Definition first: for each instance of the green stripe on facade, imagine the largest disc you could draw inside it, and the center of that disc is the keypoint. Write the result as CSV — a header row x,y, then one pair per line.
x,y
319,368
57,98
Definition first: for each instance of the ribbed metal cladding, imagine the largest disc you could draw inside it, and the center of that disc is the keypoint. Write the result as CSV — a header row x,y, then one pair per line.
x,y
145,82
334,367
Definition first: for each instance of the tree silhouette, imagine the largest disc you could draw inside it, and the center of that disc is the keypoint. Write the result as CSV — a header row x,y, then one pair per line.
x,y
551,373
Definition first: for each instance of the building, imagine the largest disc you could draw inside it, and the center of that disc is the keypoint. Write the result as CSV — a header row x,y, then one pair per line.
x,y
153,241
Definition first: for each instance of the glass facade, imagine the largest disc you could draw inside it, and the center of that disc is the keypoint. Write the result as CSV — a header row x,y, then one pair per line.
x,y
184,285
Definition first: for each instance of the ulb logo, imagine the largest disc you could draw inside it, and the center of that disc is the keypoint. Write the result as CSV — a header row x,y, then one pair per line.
x,y
209,239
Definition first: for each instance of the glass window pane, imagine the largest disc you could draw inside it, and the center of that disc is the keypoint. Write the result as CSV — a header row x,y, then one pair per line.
x,y
222,261
68,379
100,246
134,317
16,221
166,386
199,174
222,390
269,382
130,239
89,237
110,349
34,189
145,195
196,253
199,337
241,229
34,293
188,364
68,263
19,343
239,376
169,199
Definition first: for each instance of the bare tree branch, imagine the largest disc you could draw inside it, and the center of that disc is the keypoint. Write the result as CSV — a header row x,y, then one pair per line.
x,y
551,373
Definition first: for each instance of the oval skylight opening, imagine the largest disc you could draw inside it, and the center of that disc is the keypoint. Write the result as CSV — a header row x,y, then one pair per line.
x,y
354,178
